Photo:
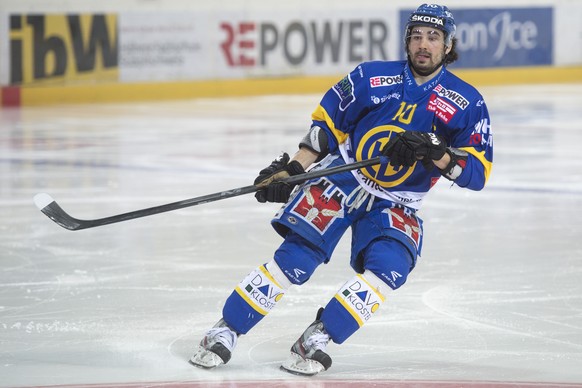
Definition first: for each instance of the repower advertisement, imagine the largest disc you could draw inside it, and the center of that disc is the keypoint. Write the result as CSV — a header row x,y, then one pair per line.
x,y
187,46
231,45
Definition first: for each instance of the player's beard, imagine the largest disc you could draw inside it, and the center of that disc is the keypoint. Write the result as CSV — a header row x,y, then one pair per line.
x,y
424,63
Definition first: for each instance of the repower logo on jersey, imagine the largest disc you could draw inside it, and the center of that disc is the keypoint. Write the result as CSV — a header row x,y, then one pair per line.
x,y
456,97
361,300
320,205
385,80
260,291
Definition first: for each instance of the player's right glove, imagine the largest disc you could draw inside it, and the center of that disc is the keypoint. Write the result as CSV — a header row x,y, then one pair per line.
x,y
408,147
272,190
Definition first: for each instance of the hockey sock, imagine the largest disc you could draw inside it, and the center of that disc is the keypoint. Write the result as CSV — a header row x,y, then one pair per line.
x,y
255,297
353,305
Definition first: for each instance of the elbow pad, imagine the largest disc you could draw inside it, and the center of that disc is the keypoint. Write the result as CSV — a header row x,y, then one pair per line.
x,y
456,165
316,140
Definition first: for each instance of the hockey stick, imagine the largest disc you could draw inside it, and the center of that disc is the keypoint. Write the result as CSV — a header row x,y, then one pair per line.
x,y
51,208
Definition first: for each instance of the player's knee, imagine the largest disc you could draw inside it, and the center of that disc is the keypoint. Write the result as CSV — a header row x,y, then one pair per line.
x,y
297,258
390,261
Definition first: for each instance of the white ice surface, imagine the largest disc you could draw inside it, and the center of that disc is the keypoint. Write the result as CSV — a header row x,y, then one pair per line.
x,y
497,294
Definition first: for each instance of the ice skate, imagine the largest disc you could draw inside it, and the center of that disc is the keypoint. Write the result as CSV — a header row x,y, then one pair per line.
x,y
216,347
308,355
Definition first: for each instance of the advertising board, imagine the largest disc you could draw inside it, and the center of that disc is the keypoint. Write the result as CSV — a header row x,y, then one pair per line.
x,y
501,37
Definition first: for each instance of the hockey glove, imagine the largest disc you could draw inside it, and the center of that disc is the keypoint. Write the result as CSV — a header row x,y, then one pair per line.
x,y
407,147
274,191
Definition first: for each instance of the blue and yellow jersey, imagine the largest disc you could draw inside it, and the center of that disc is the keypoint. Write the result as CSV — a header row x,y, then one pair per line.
x,y
379,99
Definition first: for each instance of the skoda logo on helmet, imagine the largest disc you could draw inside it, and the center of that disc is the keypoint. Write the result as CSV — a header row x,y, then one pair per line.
x,y
427,19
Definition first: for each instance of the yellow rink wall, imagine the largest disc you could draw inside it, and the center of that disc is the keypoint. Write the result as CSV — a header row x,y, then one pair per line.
x,y
119,92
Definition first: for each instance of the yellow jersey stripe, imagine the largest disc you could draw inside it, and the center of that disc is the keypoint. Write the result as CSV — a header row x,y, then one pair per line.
x,y
320,114
481,157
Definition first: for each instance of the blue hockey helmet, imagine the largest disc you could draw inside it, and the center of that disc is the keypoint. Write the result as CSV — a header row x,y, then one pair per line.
x,y
433,15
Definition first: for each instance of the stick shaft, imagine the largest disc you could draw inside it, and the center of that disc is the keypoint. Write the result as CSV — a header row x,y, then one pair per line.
x,y
52,209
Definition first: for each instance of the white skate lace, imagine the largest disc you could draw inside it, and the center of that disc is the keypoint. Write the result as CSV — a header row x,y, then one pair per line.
x,y
357,198
317,341
223,335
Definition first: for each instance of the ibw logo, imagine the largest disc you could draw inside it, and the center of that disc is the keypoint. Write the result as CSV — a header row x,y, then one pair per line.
x,y
62,47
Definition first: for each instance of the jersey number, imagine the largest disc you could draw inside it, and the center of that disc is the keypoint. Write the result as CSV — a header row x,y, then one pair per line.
x,y
405,113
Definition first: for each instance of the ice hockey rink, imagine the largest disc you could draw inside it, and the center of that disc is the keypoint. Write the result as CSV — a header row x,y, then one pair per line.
x,y
495,301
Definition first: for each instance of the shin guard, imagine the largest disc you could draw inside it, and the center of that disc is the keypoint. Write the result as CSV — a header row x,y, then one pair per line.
x,y
255,297
353,305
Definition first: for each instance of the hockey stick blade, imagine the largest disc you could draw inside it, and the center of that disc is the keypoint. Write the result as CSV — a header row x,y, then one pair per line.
x,y
55,212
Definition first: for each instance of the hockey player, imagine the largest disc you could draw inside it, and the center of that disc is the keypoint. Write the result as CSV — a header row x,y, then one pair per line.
x,y
429,123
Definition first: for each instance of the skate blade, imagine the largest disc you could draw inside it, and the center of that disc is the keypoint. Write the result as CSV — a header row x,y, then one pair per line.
x,y
296,365
205,359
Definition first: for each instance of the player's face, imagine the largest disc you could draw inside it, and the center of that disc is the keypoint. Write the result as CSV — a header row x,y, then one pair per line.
x,y
426,47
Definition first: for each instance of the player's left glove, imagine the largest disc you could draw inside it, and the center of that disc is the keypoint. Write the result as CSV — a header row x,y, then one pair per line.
x,y
408,147
274,191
